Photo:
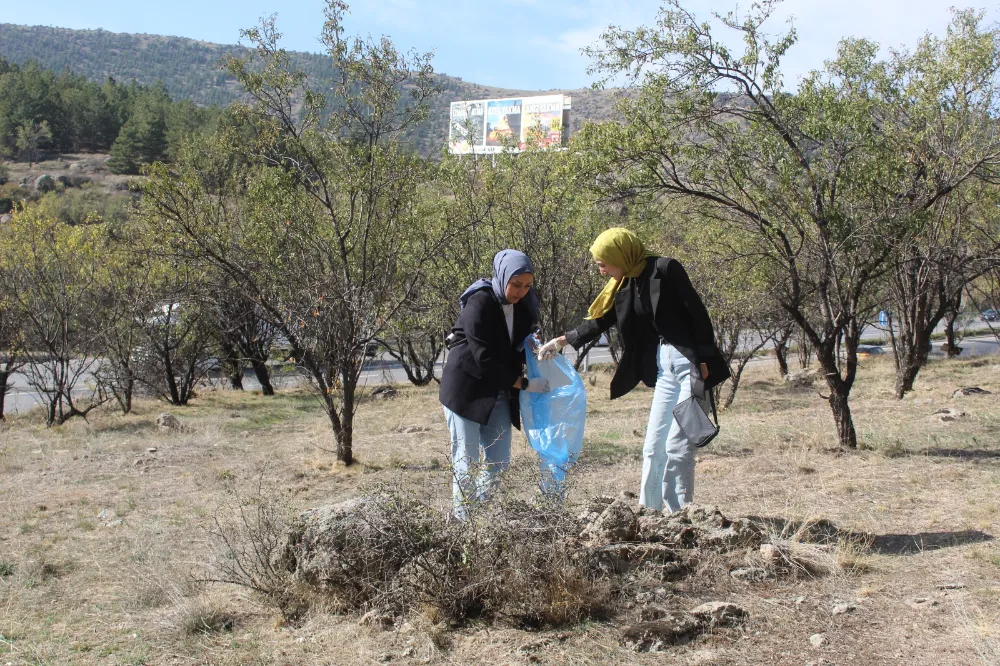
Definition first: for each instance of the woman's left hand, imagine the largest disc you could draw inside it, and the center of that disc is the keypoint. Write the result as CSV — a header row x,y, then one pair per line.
x,y
704,370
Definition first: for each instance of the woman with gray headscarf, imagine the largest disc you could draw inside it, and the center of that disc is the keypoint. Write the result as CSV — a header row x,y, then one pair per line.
x,y
484,372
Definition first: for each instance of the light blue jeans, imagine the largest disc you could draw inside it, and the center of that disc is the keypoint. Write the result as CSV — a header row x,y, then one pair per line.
x,y
667,455
469,441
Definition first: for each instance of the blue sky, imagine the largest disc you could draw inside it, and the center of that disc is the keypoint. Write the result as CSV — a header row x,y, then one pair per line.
x,y
530,44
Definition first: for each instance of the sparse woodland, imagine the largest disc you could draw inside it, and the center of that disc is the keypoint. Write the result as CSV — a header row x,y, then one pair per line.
x,y
153,251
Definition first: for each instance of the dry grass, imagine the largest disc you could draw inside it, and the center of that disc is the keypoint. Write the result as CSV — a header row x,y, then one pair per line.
x,y
911,508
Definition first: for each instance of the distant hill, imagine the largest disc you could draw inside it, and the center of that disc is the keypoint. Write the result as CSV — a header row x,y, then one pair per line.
x,y
190,69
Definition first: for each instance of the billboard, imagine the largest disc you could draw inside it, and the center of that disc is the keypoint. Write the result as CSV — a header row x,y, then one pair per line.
x,y
466,128
510,124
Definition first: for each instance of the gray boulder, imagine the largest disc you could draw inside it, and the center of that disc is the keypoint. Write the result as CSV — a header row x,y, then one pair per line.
x,y
167,421
45,183
348,546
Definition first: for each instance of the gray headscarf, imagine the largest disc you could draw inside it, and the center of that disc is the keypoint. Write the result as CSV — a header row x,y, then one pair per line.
x,y
507,264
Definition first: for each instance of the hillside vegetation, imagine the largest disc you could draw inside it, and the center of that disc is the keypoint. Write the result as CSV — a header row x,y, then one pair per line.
x,y
191,69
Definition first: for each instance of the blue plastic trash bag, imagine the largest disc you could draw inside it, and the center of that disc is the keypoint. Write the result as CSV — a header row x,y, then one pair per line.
x,y
554,421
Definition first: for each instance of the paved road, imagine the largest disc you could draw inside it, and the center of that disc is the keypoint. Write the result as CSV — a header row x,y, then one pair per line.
x,y
386,371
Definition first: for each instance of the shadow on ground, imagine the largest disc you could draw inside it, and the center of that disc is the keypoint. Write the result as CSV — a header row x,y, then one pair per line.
x,y
962,454
825,532
911,544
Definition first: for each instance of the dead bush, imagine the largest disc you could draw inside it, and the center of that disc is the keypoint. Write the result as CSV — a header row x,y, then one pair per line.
x,y
391,551
250,530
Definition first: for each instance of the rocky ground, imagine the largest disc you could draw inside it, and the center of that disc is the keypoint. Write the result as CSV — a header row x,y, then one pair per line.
x,y
113,530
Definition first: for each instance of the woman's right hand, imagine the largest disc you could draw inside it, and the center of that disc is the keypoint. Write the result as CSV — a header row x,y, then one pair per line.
x,y
538,385
549,350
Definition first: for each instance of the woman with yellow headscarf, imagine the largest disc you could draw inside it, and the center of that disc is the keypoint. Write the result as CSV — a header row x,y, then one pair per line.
x,y
667,343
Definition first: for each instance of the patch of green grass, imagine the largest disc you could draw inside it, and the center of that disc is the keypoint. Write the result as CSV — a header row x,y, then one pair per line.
x,y
606,452
7,569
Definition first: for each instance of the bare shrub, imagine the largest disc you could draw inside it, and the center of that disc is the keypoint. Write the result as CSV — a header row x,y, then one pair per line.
x,y
394,552
251,530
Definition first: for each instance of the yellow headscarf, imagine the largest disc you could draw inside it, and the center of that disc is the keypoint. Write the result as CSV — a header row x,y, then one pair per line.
x,y
620,248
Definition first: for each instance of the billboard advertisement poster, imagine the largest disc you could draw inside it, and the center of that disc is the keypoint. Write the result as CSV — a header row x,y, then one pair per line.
x,y
465,132
503,122
541,121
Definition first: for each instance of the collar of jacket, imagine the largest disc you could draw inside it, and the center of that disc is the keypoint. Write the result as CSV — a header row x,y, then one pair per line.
x,y
623,297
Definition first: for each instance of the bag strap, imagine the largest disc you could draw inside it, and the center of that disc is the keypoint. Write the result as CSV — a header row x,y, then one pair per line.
x,y
711,400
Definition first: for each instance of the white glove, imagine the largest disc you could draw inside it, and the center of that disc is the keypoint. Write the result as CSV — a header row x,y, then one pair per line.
x,y
538,385
549,350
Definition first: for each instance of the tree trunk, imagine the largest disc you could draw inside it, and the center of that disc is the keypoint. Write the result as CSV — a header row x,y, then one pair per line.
x,y
781,341
840,391
912,355
345,437
3,394
842,415
805,351
953,349
263,376
234,365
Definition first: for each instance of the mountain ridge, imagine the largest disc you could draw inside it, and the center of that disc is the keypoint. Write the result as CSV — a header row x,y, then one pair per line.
x,y
191,69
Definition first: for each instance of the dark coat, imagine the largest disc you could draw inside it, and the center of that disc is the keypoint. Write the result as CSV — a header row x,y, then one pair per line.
x,y
487,362
681,319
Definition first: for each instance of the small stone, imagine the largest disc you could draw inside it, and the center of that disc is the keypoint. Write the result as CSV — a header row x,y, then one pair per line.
x,y
751,574
948,415
818,640
720,613
770,553
151,449
972,390
951,586
114,523
106,514
843,609
799,601
920,603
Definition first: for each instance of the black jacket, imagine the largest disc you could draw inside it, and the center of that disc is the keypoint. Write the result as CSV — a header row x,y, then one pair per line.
x,y
487,362
681,320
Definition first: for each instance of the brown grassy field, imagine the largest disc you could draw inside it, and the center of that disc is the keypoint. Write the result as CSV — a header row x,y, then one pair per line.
x,y
105,528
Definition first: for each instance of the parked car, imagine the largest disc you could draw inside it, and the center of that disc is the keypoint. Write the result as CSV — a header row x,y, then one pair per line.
x,y
867,351
990,315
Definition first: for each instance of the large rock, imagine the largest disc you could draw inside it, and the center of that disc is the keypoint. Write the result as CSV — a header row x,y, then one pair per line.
x,y
167,421
716,532
615,524
802,379
675,628
352,544
45,183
